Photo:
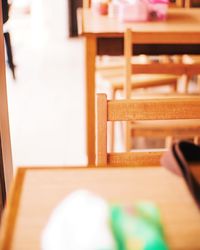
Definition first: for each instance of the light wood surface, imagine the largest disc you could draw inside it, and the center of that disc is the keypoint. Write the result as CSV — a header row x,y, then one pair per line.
x,y
181,27
6,167
39,190
143,109
152,109
179,20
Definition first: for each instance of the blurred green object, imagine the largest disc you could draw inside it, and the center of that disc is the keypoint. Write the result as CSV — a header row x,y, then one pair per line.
x,y
139,228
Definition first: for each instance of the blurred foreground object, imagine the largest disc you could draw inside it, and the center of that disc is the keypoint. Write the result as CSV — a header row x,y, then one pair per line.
x,y
85,221
79,223
138,227
183,159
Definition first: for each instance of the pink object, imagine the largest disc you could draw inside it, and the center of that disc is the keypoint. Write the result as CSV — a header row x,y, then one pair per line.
x,y
136,11
158,9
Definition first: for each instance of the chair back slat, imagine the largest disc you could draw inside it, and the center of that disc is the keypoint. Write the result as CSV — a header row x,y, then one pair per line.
x,y
135,159
154,109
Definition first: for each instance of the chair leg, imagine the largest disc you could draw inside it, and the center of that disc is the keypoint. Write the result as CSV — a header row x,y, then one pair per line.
x,y
113,125
128,137
9,53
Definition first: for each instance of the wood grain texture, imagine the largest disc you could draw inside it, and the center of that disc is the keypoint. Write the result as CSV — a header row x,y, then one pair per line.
x,y
135,158
44,188
152,109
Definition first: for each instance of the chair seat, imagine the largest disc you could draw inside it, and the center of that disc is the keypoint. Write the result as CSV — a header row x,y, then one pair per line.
x,y
144,81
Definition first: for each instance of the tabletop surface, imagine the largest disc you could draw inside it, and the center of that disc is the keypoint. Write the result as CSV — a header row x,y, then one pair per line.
x,y
178,20
37,191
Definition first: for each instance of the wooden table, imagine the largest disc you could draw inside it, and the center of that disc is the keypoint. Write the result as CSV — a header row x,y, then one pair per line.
x,y
37,191
104,35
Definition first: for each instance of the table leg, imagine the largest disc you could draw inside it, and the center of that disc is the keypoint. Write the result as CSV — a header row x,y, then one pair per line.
x,y
90,55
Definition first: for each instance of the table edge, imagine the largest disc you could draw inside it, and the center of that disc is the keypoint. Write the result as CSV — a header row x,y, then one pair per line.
x,y
11,209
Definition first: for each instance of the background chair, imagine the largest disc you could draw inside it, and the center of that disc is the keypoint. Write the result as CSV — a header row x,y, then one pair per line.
x,y
131,68
172,108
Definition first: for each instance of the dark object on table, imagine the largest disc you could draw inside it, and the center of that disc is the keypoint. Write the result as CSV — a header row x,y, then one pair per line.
x,y
183,159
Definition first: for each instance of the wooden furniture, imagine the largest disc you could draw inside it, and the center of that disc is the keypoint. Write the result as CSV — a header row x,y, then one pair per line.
x,y
128,86
116,77
104,35
6,168
112,71
144,109
37,191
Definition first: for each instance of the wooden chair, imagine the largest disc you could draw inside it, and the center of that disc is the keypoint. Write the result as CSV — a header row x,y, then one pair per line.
x,y
172,108
113,73
179,68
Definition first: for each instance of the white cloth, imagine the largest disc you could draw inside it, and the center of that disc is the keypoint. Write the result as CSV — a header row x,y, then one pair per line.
x,y
80,222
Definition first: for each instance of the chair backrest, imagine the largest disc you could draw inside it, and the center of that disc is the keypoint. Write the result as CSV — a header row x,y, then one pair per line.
x,y
130,37
171,108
